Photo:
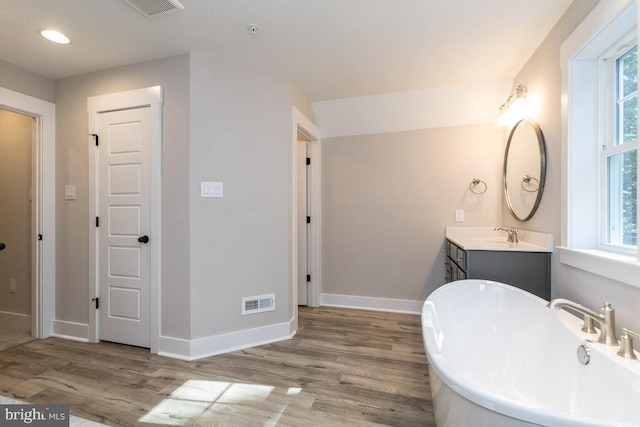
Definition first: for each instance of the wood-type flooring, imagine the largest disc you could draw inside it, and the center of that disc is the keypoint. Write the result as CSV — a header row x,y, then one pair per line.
x,y
343,368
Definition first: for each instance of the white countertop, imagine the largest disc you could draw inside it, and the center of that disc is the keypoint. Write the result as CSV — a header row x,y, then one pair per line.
x,y
487,239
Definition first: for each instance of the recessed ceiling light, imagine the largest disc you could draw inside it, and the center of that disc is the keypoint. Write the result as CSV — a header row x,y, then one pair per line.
x,y
55,36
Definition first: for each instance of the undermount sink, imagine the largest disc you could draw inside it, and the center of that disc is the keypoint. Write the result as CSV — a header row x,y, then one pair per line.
x,y
487,238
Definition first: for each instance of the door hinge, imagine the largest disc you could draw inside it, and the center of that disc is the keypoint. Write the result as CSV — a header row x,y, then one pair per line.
x,y
308,220
95,136
97,221
97,300
308,277
308,161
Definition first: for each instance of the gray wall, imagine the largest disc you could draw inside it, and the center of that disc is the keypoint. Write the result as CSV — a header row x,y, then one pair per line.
x,y
72,293
24,81
387,199
240,244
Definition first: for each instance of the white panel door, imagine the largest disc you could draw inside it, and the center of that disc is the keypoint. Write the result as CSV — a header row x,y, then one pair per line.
x,y
124,224
303,265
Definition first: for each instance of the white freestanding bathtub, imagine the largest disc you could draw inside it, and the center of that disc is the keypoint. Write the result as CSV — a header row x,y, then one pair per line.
x,y
499,357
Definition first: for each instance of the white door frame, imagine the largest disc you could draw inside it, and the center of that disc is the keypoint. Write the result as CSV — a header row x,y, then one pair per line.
x,y
153,98
305,126
43,270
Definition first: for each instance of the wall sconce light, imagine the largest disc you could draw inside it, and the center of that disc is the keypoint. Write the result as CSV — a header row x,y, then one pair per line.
x,y
515,108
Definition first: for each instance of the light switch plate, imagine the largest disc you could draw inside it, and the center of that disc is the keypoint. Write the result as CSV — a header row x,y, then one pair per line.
x,y
459,215
69,192
211,189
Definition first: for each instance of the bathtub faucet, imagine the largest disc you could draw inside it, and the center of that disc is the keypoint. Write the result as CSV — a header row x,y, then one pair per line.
x,y
512,233
606,318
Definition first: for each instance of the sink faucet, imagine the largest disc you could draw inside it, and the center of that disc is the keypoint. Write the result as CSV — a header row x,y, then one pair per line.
x,y
512,233
606,318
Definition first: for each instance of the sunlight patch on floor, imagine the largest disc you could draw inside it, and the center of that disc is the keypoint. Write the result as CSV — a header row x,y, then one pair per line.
x,y
200,399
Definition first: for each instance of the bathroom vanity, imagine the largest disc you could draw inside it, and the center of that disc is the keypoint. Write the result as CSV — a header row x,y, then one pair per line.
x,y
483,253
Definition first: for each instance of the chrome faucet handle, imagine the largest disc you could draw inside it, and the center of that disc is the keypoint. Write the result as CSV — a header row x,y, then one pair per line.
x,y
626,344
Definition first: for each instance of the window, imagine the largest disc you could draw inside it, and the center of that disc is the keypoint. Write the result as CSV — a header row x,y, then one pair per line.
x,y
619,147
600,143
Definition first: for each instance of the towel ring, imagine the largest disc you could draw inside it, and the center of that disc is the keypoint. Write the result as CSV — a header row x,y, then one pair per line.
x,y
527,179
474,183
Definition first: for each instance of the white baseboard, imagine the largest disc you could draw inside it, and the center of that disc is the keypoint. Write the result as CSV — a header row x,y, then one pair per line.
x,y
15,320
175,348
71,330
199,348
372,303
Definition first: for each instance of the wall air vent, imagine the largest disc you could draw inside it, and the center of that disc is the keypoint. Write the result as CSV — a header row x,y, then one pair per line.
x,y
151,8
251,305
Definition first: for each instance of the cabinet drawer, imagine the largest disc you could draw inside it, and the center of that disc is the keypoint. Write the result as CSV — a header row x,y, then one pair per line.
x,y
458,274
452,250
459,256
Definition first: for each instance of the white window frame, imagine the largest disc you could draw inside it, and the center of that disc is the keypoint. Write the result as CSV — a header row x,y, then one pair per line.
x,y
582,124
608,127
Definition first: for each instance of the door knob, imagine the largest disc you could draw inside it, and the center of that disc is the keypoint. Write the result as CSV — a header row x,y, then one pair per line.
x,y
143,239
2,246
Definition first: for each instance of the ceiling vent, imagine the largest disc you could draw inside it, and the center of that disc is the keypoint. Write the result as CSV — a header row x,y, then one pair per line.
x,y
151,8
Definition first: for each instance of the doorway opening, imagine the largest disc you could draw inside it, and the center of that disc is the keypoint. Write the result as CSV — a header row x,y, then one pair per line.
x,y
32,247
16,225
306,223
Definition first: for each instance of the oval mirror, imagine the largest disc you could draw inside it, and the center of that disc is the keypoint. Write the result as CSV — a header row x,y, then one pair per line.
x,y
525,166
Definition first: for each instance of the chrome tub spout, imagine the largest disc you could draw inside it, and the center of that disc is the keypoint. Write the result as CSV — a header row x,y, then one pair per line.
x,y
606,318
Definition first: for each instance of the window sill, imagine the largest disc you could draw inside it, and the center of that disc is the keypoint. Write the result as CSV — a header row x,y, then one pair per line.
x,y
625,269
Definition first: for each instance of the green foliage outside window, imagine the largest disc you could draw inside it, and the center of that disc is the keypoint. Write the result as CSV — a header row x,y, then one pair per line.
x,y
627,132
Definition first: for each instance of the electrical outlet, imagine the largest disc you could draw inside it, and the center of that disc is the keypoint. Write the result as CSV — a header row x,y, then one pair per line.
x,y
12,285
459,215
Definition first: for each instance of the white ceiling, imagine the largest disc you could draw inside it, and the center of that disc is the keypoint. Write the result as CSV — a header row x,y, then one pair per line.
x,y
329,48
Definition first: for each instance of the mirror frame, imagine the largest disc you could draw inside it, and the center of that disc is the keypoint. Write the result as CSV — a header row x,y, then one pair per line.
x,y
543,168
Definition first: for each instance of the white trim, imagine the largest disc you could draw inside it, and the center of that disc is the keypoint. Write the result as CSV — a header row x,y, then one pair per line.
x,y
125,100
624,269
71,330
372,303
580,209
15,320
199,348
301,123
175,348
43,288
152,97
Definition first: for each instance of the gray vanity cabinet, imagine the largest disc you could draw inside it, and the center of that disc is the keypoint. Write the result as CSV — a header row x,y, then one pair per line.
x,y
530,271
